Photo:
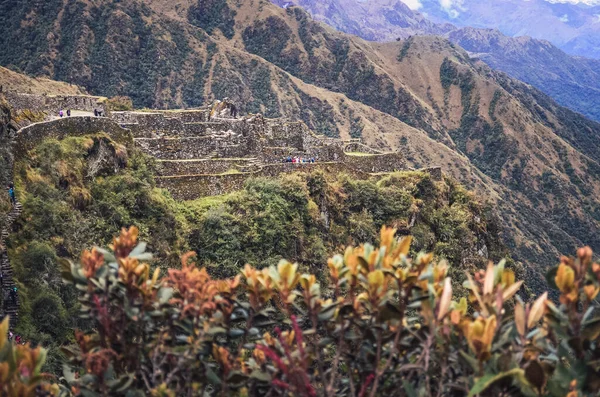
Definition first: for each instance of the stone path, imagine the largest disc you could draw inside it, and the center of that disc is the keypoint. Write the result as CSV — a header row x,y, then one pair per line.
x,y
74,113
8,308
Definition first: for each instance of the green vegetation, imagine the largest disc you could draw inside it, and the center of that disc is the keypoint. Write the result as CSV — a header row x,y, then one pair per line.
x,y
491,148
494,103
120,103
372,319
404,49
213,14
81,190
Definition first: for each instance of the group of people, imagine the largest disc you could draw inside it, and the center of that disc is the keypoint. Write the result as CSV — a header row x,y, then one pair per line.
x,y
61,113
299,160
12,294
18,339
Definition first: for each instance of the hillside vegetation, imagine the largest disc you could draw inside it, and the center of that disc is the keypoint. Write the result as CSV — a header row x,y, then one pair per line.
x,y
81,190
535,161
572,81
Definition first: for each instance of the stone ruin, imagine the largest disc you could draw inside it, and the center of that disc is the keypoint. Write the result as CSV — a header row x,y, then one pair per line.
x,y
52,104
209,151
202,154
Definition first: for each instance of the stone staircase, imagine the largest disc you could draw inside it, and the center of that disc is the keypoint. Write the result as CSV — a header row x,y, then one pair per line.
x,y
9,308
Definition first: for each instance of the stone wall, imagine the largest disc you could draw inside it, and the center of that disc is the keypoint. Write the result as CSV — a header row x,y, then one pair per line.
x,y
203,166
193,187
185,116
53,104
375,163
359,147
28,137
225,145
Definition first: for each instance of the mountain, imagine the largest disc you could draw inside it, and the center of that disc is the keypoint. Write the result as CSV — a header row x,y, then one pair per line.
x,y
375,20
573,82
575,28
534,161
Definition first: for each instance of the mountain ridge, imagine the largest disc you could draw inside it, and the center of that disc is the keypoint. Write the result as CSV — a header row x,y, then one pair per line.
x,y
572,81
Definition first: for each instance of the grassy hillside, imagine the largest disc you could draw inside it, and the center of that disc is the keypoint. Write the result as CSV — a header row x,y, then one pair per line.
x,y
533,160
13,81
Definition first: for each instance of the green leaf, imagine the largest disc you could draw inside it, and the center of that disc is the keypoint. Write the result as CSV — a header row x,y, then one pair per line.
x,y
236,377
260,376
211,376
68,374
236,332
121,384
470,360
591,328
550,276
143,257
164,294
328,312
217,331
488,380
139,249
409,389
108,256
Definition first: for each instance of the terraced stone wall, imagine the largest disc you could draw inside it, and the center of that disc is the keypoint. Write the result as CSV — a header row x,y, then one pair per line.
x,y
30,136
53,104
199,167
193,187
376,163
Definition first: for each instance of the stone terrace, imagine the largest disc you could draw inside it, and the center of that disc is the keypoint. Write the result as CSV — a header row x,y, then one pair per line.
x,y
199,156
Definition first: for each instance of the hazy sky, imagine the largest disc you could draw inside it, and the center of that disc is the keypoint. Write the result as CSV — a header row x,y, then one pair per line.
x,y
458,4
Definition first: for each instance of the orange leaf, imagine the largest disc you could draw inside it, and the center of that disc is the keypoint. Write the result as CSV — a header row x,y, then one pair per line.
x,y
520,318
511,291
537,310
488,284
404,245
446,299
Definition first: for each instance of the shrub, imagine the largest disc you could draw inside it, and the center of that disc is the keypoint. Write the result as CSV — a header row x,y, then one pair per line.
x,y
379,324
120,103
50,316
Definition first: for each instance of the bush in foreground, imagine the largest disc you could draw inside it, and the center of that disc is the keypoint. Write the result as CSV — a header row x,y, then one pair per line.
x,y
382,324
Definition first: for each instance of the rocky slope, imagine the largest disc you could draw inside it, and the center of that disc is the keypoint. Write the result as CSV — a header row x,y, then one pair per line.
x,y
572,81
533,160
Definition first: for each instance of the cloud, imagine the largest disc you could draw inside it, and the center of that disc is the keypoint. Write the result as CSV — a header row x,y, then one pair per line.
x,y
413,4
586,2
452,7
564,18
